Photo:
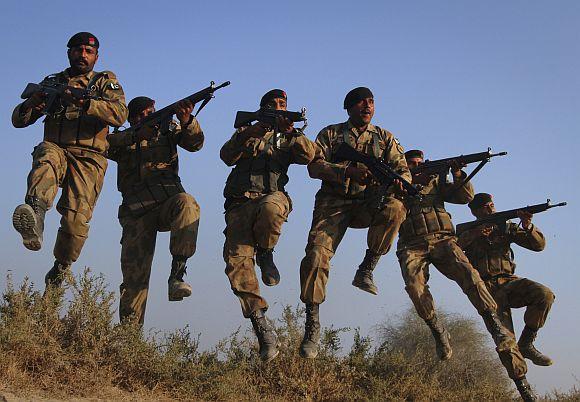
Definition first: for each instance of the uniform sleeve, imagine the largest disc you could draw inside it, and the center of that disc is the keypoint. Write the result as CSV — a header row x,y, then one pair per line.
x,y
394,154
233,150
303,150
531,239
123,138
191,136
20,120
466,239
111,108
456,194
320,167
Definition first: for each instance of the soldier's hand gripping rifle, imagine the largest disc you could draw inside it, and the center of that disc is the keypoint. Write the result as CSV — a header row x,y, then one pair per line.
x,y
165,114
441,166
500,218
269,116
381,171
53,92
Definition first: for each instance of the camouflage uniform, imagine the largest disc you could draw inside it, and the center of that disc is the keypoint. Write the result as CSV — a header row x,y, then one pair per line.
x,y
342,203
428,237
493,258
71,156
257,204
153,201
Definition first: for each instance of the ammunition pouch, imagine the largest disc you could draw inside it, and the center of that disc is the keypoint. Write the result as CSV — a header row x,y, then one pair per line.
x,y
423,220
147,196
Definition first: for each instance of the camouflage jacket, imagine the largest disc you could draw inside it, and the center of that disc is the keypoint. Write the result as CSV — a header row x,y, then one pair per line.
x,y
493,255
428,216
147,171
374,141
87,128
261,164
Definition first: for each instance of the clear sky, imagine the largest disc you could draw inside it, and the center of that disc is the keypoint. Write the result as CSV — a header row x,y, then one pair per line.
x,y
449,77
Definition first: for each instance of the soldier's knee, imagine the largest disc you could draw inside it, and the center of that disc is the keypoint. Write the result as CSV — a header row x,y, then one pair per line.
x,y
548,296
74,223
394,211
185,200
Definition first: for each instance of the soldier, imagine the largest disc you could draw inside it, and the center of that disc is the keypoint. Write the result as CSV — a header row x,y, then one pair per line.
x,y
154,201
256,206
71,154
349,198
488,249
428,237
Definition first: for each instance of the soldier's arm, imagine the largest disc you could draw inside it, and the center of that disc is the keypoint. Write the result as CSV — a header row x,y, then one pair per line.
x,y
111,108
456,194
24,117
237,147
320,167
466,239
530,238
190,137
394,154
303,150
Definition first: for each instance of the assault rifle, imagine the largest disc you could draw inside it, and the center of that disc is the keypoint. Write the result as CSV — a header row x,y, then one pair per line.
x,y
500,218
442,166
165,114
54,91
382,172
268,116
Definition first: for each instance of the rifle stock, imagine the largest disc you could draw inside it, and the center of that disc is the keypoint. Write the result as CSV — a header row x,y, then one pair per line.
x,y
504,216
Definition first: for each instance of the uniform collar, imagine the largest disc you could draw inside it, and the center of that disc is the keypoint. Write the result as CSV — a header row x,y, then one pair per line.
x,y
370,128
88,75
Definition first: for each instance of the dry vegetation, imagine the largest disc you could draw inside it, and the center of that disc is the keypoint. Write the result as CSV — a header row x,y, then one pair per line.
x,y
71,349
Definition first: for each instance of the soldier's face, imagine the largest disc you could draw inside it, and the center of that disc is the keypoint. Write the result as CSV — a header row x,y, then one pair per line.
x,y
276,104
83,58
485,210
362,112
144,113
412,163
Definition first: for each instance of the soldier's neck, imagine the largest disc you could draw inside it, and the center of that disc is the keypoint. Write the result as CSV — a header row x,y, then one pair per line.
x,y
359,126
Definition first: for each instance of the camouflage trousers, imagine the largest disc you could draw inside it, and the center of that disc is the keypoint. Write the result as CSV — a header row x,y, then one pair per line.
x,y
179,215
80,174
515,292
443,252
250,223
331,218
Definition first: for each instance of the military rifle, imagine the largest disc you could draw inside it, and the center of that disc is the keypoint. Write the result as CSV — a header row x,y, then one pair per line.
x,y
53,91
165,114
442,166
381,171
500,218
269,116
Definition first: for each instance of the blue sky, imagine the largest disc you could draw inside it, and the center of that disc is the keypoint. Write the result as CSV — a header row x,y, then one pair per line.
x,y
448,77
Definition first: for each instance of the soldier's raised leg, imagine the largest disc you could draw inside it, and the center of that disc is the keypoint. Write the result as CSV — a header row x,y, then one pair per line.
x,y
383,228
180,214
271,213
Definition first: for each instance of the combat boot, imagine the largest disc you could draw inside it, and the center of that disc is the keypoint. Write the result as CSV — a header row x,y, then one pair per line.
x,y
529,351
309,345
442,337
500,334
28,220
525,390
266,336
177,288
57,274
363,278
265,260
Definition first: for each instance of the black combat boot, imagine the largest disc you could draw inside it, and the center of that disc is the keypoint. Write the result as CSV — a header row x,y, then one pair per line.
x,y
525,390
442,337
28,220
57,274
177,288
529,351
309,345
265,260
363,279
500,334
266,336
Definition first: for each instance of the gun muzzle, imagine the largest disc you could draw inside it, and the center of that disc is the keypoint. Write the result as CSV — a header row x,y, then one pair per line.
x,y
225,84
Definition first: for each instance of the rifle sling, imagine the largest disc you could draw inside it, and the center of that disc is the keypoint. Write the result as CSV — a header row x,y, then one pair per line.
x,y
473,173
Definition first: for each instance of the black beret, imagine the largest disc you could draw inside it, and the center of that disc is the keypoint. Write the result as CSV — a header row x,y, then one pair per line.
x,y
272,94
83,38
479,200
414,153
138,104
356,95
